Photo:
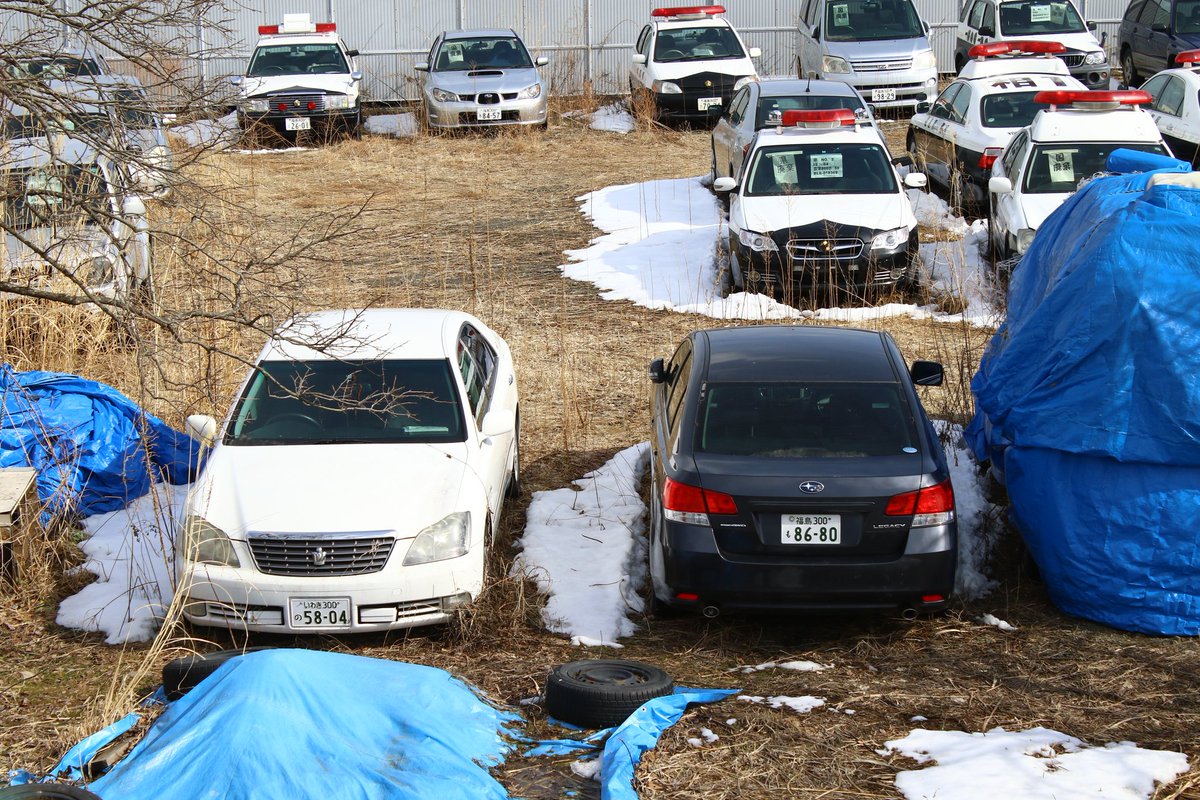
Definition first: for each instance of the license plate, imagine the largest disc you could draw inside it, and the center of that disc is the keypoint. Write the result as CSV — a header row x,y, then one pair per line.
x,y
705,103
297,124
319,612
811,529
488,114
881,95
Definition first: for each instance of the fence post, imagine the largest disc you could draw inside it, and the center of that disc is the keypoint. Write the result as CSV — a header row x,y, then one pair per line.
x,y
587,16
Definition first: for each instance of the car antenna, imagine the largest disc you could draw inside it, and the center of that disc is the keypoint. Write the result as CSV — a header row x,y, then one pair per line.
x,y
808,88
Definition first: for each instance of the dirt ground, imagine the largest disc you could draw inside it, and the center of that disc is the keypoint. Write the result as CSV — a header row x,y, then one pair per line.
x,y
480,223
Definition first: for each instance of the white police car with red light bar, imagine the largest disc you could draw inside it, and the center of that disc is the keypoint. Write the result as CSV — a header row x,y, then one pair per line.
x,y
687,61
820,209
956,140
1068,141
301,77
1175,105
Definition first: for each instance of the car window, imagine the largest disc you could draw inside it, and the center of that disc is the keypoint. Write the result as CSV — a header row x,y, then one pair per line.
x,y
1170,100
643,41
482,52
1187,17
821,169
1014,154
1036,17
871,20
695,44
57,68
1160,13
53,196
737,106
989,17
1133,11
961,104
477,363
1155,85
293,59
812,12
805,420
1146,15
1008,109
345,402
770,108
942,107
977,15
1059,167
679,371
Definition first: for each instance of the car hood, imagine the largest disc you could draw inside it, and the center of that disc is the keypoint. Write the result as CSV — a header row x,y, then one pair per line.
x,y
875,211
1082,42
338,83
69,248
332,488
884,49
741,67
1037,207
484,79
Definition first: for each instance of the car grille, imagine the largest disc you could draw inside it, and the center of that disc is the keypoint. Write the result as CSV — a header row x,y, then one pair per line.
x,y
821,251
296,102
321,556
887,65
487,98
1073,59
694,86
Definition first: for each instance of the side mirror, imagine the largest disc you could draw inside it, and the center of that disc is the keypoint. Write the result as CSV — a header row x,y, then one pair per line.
x,y
1090,25
755,52
1159,27
236,80
1103,39
356,75
915,180
926,373
352,53
201,427
986,30
658,373
134,206
903,161
998,184
724,184
923,107
498,422
639,58
421,66
541,61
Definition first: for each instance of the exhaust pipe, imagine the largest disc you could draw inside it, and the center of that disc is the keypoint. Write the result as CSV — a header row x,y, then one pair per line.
x,y
712,612
909,614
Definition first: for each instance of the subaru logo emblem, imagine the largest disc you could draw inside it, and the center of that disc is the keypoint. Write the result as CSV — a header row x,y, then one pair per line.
x,y
812,487
319,556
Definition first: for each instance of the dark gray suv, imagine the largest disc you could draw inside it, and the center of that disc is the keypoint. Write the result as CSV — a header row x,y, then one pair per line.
x,y
1153,32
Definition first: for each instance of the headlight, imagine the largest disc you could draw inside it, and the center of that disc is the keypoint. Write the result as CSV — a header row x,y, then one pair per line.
x,y
666,87
926,60
530,92
339,101
257,105
448,538
205,543
890,240
1098,57
758,242
442,96
1024,239
99,270
834,64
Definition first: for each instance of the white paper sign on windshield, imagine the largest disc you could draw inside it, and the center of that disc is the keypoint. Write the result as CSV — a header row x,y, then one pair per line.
x,y
784,167
1062,165
841,15
1039,13
825,165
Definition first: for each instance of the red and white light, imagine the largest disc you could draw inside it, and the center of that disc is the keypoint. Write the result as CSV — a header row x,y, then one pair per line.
x,y
933,505
989,156
692,505
825,117
1188,57
688,11
1092,100
1019,46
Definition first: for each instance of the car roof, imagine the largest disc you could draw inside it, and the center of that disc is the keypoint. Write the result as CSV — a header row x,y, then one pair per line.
x,y
1025,67
471,33
780,87
667,23
270,39
860,133
1004,84
1129,123
405,333
797,353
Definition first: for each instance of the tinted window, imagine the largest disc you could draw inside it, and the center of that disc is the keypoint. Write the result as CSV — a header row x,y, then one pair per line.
x,y
343,402
1014,153
1060,167
805,420
500,52
53,196
821,169
961,104
1161,13
292,59
1170,100
977,15
680,371
693,44
737,107
871,20
1033,17
1187,17
1131,13
477,363
768,106
58,68
1008,110
942,107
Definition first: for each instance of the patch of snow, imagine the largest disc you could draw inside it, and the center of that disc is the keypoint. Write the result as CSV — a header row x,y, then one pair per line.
x,y
397,125
799,666
614,118
801,705
972,509
919,718
706,737
731,721
988,619
587,769
214,133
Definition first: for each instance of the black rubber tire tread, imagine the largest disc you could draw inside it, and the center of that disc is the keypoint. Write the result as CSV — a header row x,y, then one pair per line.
x,y
181,675
602,692
51,791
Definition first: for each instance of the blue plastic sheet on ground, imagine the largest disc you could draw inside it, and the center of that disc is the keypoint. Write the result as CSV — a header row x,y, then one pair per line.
x,y
297,724
1088,397
93,448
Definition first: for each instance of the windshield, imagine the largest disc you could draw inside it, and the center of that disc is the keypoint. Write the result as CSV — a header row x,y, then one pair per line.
x,y
871,20
57,69
485,52
1187,17
772,108
693,44
1008,110
347,402
821,169
805,420
55,196
1032,17
134,109
1058,168
22,126
295,59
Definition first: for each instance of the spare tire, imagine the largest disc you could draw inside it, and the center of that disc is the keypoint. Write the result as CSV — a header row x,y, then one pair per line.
x,y
52,791
602,692
181,675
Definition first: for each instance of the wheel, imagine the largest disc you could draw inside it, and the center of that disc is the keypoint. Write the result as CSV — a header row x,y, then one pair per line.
x,y
183,674
736,275
54,791
356,128
602,692
910,145
1128,70
514,479
958,63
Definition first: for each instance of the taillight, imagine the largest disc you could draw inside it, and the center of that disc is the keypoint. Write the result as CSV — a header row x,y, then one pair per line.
x,y
933,505
989,156
691,504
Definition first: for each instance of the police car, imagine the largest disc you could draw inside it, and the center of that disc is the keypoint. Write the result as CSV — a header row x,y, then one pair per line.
x,y
819,205
1175,105
1067,141
957,139
301,77
687,60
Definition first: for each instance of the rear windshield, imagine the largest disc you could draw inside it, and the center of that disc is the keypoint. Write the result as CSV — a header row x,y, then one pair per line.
x,y
295,59
697,44
348,402
871,20
821,169
1032,17
1008,110
806,420
1058,168
772,108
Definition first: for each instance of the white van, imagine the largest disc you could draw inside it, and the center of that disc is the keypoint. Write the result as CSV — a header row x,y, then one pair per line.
x,y
880,47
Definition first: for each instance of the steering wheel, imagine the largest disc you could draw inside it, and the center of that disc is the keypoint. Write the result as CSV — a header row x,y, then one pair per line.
x,y
297,416
672,54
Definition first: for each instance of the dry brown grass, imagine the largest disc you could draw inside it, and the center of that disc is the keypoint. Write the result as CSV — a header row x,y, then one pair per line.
x,y
479,223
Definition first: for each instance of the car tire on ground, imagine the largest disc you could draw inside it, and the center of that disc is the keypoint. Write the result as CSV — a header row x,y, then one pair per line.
x,y
602,692
183,674
1128,71
514,481
52,791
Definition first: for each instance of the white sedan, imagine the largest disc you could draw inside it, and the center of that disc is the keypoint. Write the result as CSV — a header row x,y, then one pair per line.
x,y
1175,105
356,482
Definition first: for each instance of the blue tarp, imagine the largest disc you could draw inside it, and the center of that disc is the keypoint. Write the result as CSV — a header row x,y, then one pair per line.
x,y
93,447
1088,401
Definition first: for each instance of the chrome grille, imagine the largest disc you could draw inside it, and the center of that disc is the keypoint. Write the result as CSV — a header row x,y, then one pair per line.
x,y
887,65
824,250
1073,59
279,555
296,102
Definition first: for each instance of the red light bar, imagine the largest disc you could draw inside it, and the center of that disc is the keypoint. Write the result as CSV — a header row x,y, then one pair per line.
x,y
326,27
988,157
1188,57
264,30
1016,46
1065,97
842,116
680,11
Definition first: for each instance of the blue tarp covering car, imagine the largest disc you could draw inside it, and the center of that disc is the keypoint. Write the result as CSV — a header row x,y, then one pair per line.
x,y
1088,400
93,447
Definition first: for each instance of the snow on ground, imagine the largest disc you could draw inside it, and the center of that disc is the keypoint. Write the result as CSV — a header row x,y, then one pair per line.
x,y
614,118
706,737
975,538
659,249
801,705
1036,764
130,553
398,125
799,666
988,619
585,548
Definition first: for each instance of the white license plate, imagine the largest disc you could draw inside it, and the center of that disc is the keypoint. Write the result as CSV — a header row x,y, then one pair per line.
x,y
705,103
881,95
297,124
811,529
487,114
319,612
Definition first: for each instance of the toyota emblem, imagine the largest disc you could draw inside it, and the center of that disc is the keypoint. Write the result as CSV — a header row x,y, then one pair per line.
x,y
708,84
812,487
